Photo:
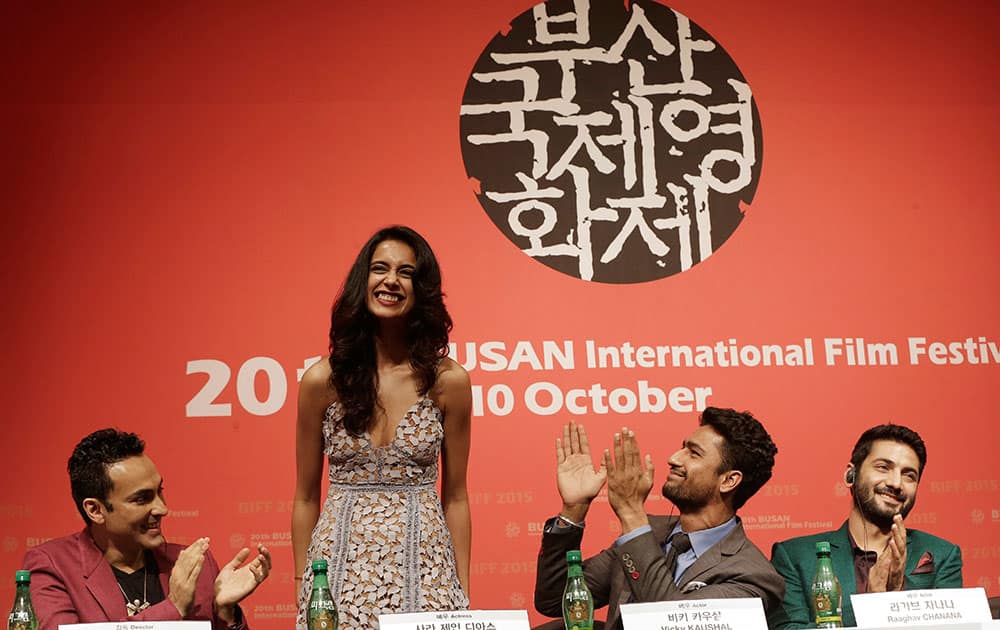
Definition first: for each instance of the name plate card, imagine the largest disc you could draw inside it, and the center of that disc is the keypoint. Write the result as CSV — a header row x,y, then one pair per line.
x,y
925,607
139,625
746,613
457,620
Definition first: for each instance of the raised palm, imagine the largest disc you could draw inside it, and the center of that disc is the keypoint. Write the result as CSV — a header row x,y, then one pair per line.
x,y
576,477
235,582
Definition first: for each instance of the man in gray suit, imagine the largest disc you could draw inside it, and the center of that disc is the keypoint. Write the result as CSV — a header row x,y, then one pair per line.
x,y
702,553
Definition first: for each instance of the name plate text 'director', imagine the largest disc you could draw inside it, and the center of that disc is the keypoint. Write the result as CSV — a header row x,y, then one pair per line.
x,y
139,625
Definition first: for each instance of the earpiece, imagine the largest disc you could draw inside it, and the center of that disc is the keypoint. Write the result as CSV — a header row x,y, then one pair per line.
x,y
849,476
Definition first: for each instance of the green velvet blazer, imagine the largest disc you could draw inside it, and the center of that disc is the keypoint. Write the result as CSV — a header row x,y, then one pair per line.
x,y
931,562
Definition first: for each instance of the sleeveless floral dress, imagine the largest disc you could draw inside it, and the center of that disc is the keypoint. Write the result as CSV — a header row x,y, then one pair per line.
x,y
382,529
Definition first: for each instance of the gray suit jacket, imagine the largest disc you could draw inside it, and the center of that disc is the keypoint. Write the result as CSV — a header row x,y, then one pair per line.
x,y
637,571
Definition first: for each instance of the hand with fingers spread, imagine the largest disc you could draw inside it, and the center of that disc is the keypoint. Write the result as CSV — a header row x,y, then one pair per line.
x,y
889,571
629,481
235,582
578,480
184,576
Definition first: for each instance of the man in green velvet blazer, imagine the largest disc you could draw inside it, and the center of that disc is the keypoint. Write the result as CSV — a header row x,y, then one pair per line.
x,y
873,551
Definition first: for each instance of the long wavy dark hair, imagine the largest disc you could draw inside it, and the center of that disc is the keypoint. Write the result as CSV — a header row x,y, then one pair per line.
x,y
353,329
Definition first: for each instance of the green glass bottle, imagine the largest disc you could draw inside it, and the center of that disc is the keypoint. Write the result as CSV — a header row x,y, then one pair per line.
x,y
826,595
22,615
578,604
322,610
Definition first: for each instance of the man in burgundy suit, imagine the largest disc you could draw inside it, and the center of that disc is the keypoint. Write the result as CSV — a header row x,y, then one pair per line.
x,y
120,567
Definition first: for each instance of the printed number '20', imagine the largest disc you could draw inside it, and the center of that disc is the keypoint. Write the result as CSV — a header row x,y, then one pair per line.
x,y
204,405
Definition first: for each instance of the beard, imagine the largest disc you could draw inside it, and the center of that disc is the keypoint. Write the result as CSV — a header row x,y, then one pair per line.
x,y
683,495
878,514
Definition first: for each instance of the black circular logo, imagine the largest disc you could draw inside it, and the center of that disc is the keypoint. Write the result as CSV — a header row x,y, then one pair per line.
x,y
613,141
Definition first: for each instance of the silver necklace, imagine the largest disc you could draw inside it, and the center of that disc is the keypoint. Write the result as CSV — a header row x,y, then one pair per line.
x,y
135,607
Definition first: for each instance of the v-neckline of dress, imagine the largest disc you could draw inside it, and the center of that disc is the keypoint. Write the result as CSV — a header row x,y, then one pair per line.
x,y
395,433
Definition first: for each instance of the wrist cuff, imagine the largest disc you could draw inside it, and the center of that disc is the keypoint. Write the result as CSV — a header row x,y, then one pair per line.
x,y
566,521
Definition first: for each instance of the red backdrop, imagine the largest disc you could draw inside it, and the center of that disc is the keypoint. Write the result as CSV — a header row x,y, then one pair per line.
x,y
191,183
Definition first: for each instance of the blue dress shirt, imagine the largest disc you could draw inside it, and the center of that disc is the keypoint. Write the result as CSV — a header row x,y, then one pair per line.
x,y
701,541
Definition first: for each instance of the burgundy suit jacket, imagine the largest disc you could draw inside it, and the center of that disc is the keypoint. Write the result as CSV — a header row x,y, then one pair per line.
x,y
71,582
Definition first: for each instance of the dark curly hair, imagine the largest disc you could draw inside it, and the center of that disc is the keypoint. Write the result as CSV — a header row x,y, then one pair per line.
x,y
353,329
748,448
88,465
893,433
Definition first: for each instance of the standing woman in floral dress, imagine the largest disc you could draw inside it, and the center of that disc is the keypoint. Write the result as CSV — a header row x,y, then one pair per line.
x,y
383,409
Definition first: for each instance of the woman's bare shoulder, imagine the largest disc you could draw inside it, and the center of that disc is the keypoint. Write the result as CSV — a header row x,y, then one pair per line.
x,y
451,375
316,382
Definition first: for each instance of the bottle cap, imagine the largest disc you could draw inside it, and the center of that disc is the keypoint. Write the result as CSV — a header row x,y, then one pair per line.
x,y
574,557
822,547
22,577
319,565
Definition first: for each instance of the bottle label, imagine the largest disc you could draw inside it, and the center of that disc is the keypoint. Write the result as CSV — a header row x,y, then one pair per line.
x,y
825,612
577,611
322,620
577,615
